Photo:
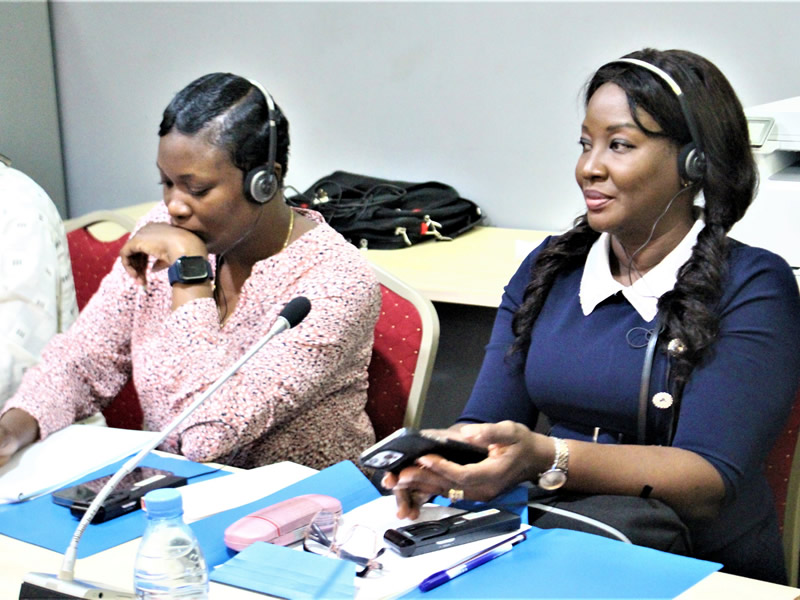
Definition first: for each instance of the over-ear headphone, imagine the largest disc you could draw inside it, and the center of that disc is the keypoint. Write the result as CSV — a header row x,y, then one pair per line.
x,y
691,158
260,183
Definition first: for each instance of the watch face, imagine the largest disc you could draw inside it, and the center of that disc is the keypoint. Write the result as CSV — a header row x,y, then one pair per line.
x,y
189,269
552,479
193,267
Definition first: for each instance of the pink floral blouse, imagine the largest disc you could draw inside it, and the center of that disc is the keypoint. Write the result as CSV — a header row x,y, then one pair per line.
x,y
300,398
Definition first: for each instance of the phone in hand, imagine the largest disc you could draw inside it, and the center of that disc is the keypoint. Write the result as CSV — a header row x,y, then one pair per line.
x,y
404,446
123,499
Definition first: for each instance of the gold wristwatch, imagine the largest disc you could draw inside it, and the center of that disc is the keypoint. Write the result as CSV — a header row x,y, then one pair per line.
x,y
556,476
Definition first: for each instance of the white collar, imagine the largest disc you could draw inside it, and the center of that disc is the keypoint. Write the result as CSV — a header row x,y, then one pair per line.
x,y
597,283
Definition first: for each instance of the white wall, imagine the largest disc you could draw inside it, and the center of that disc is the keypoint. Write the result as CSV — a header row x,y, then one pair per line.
x,y
29,133
481,95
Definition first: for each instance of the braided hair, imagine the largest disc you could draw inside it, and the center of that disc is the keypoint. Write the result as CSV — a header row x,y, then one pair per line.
x,y
689,311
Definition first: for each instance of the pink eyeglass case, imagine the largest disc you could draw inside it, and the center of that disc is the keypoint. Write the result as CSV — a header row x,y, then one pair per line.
x,y
281,524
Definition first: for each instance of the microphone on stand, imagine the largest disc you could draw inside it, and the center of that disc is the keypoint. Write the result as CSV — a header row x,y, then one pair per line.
x,y
64,585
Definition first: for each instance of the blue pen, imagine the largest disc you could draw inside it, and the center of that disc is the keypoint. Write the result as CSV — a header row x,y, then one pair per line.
x,y
476,560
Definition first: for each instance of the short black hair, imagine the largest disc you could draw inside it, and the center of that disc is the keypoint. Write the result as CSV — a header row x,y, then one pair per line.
x,y
233,112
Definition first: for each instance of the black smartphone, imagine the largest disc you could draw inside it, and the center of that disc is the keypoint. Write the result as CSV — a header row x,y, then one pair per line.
x,y
427,536
406,445
123,499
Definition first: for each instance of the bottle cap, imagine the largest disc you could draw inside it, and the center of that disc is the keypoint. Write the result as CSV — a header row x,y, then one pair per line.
x,y
163,503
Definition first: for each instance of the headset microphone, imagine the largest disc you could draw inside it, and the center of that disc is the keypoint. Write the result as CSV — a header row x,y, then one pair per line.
x,y
691,166
260,183
691,158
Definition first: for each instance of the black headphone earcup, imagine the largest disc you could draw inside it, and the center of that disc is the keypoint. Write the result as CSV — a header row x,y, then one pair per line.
x,y
260,185
691,163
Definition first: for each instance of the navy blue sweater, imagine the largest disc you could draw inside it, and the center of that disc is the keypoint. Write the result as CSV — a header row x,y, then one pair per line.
x,y
584,372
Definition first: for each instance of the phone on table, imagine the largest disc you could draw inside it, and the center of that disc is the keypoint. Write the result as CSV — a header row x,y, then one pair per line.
x,y
123,499
427,536
404,446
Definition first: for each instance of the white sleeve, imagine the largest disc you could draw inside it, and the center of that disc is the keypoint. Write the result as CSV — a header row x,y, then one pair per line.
x,y
33,281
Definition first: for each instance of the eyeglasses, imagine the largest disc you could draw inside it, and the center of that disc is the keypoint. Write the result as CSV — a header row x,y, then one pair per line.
x,y
326,535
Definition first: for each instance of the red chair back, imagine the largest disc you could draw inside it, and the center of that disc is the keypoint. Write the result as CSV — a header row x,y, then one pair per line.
x,y
398,335
783,475
91,260
779,461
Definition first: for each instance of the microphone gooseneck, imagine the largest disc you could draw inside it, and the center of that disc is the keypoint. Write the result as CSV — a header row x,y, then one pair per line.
x,y
292,314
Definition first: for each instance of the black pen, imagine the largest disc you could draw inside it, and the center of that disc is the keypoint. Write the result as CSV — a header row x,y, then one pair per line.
x,y
471,562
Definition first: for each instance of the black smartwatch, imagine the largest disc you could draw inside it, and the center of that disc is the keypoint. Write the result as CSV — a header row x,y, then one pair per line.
x,y
189,269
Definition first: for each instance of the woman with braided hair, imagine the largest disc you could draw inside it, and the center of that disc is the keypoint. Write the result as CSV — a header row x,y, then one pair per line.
x,y
666,170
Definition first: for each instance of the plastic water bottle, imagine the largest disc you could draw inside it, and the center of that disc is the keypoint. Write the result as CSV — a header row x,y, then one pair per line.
x,y
169,563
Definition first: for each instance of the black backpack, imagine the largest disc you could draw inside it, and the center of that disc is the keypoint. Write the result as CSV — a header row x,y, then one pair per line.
x,y
383,214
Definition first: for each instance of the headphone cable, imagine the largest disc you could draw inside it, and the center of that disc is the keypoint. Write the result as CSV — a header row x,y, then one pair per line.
x,y
632,268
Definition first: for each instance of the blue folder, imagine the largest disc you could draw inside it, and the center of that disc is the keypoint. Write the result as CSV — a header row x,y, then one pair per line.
x,y
42,522
285,573
557,564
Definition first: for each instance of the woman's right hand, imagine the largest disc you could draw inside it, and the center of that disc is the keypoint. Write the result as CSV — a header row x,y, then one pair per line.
x,y
8,446
17,430
412,487
164,242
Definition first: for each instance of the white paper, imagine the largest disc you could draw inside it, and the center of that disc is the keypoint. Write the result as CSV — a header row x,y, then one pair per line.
x,y
402,574
212,496
64,457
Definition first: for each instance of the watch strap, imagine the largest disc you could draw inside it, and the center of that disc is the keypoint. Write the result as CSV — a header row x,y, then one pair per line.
x,y
177,271
561,460
556,475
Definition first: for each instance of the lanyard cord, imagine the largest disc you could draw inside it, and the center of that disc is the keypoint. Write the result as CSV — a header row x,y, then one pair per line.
x,y
644,386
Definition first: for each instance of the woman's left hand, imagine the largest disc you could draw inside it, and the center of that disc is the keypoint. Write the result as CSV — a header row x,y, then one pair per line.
x,y
516,454
163,242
